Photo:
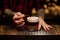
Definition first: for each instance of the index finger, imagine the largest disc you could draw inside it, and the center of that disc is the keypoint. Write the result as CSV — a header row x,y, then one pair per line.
x,y
19,13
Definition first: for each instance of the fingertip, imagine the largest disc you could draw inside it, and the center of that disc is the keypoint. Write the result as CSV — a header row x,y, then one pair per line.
x,y
50,27
22,23
45,29
23,15
39,27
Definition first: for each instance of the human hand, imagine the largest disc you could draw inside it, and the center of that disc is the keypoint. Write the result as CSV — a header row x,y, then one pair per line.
x,y
18,19
44,25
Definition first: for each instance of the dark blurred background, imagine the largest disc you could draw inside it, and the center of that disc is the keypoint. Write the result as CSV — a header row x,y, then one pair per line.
x,y
52,12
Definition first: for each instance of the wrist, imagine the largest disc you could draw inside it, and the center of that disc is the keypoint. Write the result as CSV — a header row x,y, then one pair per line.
x,y
41,20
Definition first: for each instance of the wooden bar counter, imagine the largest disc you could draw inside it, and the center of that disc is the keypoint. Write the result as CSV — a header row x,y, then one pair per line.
x,y
9,30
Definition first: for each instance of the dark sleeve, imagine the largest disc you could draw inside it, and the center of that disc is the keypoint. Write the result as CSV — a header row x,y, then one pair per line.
x,y
41,13
40,8
6,10
7,14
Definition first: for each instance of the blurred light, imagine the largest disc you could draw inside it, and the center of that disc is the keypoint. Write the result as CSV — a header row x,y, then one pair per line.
x,y
49,8
45,6
55,0
57,7
46,11
53,4
55,13
49,3
47,0
53,8
34,11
